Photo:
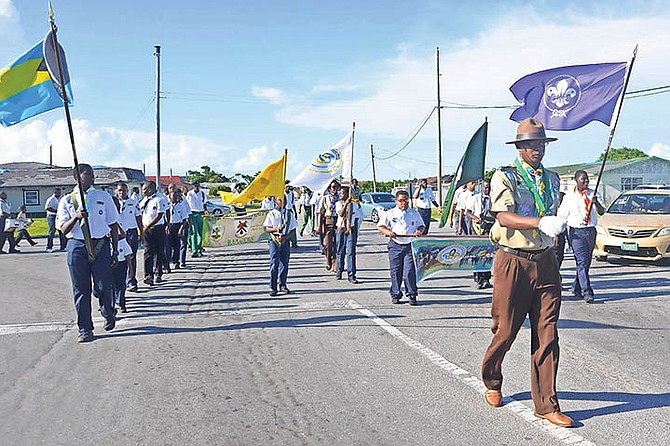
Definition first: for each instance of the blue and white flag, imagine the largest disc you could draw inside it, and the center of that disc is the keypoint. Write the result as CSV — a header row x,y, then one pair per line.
x,y
567,98
327,165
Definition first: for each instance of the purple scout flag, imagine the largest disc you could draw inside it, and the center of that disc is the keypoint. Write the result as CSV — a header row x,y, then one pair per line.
x,y
567,98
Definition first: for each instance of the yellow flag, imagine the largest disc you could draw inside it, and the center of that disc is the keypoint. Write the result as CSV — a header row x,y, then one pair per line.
x,y
270,182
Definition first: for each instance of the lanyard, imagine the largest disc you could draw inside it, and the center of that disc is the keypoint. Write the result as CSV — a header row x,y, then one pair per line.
x,y
540,204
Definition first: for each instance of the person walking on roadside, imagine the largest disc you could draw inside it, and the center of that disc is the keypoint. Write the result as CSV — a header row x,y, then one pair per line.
x,y
401,224
581,207
347,235
196,200
423,199
305,207
153,211
102,217
130,220
328,224
23,219
281,225
477,210
51,207
524,201
180,212
5,209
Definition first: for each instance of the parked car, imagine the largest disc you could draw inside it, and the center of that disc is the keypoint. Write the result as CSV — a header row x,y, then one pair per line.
x,y
217,208
652,186
373,204
635,226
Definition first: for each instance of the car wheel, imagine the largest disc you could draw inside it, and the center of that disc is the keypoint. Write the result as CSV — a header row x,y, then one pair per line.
x,y
374,216
601,258
217,212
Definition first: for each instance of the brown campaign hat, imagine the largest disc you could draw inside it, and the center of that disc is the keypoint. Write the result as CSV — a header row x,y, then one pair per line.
x,y
530,130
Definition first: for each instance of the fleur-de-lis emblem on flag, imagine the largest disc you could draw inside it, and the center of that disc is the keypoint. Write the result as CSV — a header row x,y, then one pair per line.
x,y
562,93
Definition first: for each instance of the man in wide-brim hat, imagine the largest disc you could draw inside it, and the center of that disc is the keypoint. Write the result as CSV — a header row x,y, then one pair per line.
x,y
524,200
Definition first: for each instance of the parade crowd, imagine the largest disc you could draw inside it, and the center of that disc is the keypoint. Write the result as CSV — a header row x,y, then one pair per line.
x,y
521,209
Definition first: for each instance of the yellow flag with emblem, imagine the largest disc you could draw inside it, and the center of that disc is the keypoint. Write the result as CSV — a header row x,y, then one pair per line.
x,y
270,182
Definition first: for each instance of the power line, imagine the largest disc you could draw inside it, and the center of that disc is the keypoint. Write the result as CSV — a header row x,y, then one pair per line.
x,y
413,136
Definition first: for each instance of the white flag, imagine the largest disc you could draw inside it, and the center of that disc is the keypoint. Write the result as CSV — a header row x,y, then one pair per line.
x,y
327,165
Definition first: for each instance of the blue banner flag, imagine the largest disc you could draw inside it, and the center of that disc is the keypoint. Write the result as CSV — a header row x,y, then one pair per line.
x,y
567,98
31,86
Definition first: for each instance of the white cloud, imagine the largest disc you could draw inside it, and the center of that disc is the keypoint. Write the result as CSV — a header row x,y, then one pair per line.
x,y
109,146
255,159
273,95
660,150
10,31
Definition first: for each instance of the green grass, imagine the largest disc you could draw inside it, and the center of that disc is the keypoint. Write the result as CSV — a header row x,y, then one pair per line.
x,y
39,227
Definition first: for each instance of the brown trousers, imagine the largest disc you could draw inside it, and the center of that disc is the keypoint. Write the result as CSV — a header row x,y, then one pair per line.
x,y
330,242
526,287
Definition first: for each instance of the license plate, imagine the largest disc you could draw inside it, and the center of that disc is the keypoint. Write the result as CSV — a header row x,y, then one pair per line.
x,y
629,246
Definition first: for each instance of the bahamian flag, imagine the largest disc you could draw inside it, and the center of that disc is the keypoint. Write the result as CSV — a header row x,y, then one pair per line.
x,y
31,85
470,168
567,98
268,183
327,165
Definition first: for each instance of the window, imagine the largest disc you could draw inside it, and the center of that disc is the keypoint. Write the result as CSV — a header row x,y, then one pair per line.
x,y
31,197
630,183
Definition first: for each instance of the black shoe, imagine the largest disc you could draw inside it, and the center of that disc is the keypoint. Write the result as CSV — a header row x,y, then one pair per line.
x,y
110,323
354,280
284,290
183,265
588,298
124,310
412,301
33,243
176,266
294,246
168,270
132,289
395,300
14,251
273,293
339,276
86,336
159,279
149,281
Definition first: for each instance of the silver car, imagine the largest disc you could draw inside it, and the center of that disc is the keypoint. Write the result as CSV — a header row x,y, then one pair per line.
x,y
373,204
217,208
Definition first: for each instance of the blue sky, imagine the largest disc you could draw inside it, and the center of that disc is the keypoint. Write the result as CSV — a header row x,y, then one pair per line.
x,y
243,80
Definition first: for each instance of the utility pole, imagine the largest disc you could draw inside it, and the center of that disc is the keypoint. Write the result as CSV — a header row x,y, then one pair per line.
x,y
374,173
157,53
439,132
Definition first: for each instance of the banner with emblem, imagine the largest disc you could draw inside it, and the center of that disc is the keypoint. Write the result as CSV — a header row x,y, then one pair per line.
x,y
233,230
433,254
567,98
327,165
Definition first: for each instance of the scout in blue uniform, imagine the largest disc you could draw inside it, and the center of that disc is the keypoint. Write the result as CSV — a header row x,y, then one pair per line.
x,y
401,224
102,221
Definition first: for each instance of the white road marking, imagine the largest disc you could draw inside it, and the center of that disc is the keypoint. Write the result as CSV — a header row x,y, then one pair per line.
x,y
565,435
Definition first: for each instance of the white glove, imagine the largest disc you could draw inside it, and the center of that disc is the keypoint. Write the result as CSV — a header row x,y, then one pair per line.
x,y
552,226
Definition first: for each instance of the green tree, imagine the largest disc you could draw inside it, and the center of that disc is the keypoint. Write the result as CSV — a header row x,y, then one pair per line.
x,y
623,153
214,191
206,175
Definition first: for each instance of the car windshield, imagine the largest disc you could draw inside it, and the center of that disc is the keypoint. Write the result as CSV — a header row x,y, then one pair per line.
x,y
633,203
383,198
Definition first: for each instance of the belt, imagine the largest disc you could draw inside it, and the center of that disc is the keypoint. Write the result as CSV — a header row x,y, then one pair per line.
x,y
528,255
424,209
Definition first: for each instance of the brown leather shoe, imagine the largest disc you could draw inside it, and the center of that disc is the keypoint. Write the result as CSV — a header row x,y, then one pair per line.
x,y
493,398
557,418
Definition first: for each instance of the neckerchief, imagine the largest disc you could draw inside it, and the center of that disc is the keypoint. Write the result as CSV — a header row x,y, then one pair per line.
x,y
333,200
536,184
285,220
587,202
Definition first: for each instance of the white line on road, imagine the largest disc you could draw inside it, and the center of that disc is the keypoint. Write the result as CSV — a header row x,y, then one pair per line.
x,y
565,435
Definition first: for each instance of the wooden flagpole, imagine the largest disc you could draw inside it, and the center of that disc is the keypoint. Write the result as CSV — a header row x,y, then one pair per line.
x,y
82,193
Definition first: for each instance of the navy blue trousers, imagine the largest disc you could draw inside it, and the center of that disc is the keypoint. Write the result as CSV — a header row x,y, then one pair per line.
x,y
119,274
425,216
81,273
401,265
279,257
582,240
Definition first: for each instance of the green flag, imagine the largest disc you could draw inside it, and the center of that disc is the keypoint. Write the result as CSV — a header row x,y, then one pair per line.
x,y
470,168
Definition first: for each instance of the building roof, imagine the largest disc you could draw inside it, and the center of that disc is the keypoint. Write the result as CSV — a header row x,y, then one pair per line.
x,y
167,179
31,174
593,168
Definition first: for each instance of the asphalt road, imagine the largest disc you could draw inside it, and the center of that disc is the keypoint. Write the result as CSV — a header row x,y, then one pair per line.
x,y
209,358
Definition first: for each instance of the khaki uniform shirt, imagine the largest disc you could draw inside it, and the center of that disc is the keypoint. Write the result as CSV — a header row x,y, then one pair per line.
x,y
510,193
